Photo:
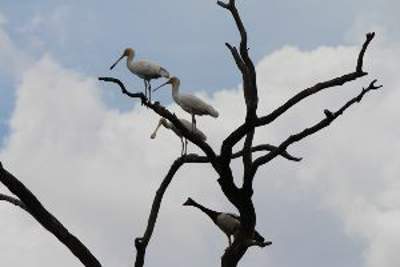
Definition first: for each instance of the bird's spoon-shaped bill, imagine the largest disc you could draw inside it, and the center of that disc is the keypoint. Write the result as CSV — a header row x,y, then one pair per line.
x,y
116,62
155,89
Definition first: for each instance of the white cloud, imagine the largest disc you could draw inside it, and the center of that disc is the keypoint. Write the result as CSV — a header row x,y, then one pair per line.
x,y
379,16
97,169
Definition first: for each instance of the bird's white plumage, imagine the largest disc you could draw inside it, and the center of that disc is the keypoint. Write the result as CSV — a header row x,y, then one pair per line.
x,y
144,69
194,105
186,124
190,103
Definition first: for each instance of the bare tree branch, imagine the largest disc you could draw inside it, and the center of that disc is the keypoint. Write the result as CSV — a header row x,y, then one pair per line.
x,y
13,200
358,73
369,37
46,219
231,6
142,242
162,111
267,147
329,118
242,130
238,60
247,69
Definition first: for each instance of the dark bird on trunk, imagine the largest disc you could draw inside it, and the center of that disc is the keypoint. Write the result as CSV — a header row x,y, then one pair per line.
x,y
229,223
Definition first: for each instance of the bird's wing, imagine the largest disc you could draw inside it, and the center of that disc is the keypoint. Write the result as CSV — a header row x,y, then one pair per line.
x,y
237,217
195,104
197,132
148,68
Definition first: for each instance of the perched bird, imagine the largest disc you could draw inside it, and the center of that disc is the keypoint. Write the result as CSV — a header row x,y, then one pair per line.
x,y
229,223
189,103
184,141
144,69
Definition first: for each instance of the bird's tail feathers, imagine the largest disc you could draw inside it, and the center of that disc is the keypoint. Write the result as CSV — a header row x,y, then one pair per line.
x,y
213,112
164,73
258,237
201,135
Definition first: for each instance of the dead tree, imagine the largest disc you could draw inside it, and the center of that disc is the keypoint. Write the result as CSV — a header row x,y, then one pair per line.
x,y
239,195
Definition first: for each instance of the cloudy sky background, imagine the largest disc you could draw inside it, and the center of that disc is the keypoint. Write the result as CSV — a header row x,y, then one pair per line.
x,y
85,150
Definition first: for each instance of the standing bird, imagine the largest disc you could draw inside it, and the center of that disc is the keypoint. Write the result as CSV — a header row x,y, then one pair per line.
x,y
229,223
189,103
144,69
184,141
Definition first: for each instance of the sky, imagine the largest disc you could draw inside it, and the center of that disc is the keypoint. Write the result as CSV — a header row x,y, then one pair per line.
x,y
85,150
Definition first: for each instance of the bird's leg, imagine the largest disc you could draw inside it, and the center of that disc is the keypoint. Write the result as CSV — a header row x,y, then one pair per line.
x,y
149,88
193,123
186,144
183,147
145,90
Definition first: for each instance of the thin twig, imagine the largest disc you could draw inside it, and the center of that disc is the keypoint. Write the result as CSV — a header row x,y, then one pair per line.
x,y
142,242
13,200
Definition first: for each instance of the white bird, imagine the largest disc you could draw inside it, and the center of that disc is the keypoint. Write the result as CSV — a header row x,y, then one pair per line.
x,y
229,223
144,69
184,141
188,102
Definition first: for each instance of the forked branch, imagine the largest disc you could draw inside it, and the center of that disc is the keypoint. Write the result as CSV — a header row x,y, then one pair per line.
x,y
243,129
231,6
329,118
13,200
358,73
142,242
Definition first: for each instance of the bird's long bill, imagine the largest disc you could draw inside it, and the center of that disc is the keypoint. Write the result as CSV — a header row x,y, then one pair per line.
x,y
154,134
116,62
155,89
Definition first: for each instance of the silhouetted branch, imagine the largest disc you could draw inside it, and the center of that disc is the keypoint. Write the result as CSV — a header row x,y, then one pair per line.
x,y
46,219
358,73
369,37
329,118
243,129
142,242
231,6
238,60
163,112
13,201
247,69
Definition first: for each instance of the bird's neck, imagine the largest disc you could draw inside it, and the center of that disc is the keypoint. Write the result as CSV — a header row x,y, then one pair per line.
x,y
211,213
129,60
175,92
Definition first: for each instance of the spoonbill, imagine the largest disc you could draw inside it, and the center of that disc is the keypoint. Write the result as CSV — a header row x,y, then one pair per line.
x,y
229,223
184,141
188,102
144,69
